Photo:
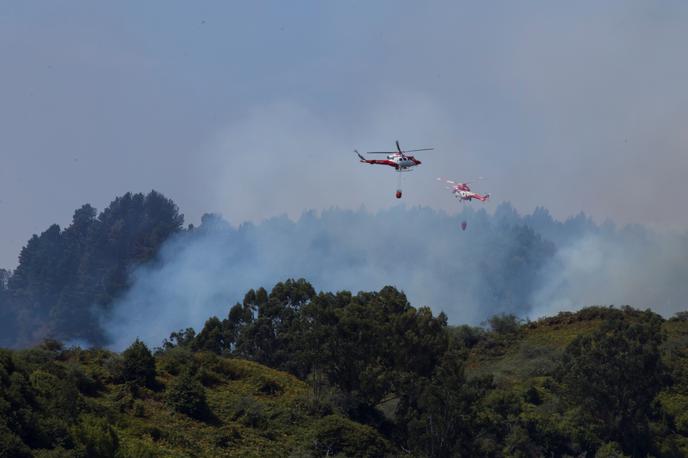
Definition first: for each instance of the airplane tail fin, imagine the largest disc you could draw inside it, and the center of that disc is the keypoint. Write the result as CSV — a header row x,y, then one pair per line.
x,y
359,156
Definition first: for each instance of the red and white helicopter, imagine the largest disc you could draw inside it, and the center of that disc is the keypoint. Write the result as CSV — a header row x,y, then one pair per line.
x,y
398,159
462,191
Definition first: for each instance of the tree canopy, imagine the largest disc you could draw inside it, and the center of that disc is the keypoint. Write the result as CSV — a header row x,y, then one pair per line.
x,y
66,278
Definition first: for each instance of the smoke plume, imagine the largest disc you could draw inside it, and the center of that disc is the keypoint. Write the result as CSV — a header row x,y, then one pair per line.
x,y
500,264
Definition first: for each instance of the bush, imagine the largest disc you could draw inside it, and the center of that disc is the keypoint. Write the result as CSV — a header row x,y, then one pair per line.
x,y
226,437
138,448
187,396
139,410
250,413
138,365
269,387
51,431
465,336
208,377
97,437
320,405
334,435
52,345
123,397
680,316
532,396
610,450
505,325
176,360
58,395
86,384
11,445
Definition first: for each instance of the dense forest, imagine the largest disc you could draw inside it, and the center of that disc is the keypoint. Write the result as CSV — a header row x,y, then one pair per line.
x,y
293,372
65,278
135,270
299,371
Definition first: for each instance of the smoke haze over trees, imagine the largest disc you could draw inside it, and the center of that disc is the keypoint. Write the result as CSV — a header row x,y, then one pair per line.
x,y
67,278
132,271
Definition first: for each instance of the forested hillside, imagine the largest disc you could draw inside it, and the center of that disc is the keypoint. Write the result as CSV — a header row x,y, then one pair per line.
x,y
296,370
133,270
292,372
66,278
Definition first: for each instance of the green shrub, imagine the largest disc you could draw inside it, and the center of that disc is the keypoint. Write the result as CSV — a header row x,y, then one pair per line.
x,y
175,360
139,409
51,431
465,335
250,413
138,365
34,358
138,449
317,406
505,325
610,450
208,377
59,396
124,397
680,316
334,435
226,437
224,367
186,395
52,345
96,437
11,445
269,387
85,383
532,396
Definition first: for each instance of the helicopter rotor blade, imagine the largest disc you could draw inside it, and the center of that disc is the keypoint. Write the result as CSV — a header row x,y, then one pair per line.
x,y
421,149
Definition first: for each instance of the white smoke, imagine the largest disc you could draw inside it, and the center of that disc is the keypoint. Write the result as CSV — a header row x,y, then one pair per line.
x,y
634,267
496,266
420,251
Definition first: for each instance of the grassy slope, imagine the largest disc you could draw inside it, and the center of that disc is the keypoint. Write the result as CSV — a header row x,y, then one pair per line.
x,y
536,352
264,412
258,412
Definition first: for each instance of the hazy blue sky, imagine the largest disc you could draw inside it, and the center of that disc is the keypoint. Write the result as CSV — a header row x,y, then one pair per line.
x,y
252,109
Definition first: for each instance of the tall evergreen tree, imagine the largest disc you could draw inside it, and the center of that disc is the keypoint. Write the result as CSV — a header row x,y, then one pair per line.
x,y
67,278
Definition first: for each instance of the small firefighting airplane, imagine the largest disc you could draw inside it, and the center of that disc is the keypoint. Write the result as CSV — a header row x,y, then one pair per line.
x,y
397,159
462,191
